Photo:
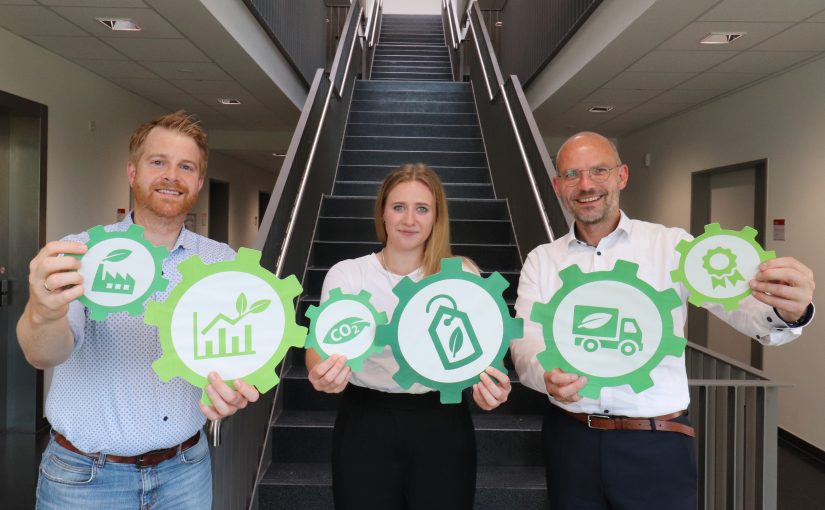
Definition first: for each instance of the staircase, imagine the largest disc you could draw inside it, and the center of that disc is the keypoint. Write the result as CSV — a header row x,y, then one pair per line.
x,y
409,112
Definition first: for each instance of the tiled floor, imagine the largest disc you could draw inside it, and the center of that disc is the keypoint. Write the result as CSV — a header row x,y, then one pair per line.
x,y
801,480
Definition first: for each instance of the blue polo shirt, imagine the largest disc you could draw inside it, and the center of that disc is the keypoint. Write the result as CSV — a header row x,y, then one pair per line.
x,y
106,397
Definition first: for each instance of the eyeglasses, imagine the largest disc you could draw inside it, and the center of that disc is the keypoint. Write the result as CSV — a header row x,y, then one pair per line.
x,y
597,174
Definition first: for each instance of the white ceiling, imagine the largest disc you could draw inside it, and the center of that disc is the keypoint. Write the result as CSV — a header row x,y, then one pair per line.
x,y
182,58
653,66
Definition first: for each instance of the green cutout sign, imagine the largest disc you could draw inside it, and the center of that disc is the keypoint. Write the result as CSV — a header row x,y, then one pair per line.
x,y
464,317
717,266
234,318
346,324
610,326
120,270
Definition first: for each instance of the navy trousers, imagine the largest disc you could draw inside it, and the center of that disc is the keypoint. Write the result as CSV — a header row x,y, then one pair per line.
x,y
589,469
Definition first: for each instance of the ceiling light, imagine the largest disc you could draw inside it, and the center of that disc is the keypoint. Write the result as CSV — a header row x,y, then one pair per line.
x,y
229,101
600,109
278,155
120,24
721,37
499,23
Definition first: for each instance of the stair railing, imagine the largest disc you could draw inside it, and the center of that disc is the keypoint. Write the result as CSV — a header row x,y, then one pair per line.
x,y
285,238
372,35
520,166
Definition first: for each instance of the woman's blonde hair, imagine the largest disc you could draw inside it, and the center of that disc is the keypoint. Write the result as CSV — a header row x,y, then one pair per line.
x,y
437,246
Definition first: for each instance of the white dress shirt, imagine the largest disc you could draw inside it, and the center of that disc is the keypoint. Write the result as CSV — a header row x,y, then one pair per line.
x,y
653,248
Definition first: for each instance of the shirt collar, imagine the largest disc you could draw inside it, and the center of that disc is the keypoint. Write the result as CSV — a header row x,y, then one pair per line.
x,y
186,239
622,229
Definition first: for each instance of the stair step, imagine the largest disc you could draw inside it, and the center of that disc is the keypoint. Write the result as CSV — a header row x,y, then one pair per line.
x,y
489,209
412,76
370,188
432,158
414,130
504,257
464,96
447,174
413,86
461,231
428,118
394,106
410,143
411,59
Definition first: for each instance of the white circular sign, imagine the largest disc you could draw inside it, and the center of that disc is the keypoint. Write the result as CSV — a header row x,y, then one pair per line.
x,y
746,264
117,271
340,328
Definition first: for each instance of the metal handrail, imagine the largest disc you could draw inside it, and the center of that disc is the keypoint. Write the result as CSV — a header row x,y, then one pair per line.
x,y
371,27
476,16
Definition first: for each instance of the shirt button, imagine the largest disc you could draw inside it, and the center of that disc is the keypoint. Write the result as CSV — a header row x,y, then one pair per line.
x,y
598,253
607,411
769,319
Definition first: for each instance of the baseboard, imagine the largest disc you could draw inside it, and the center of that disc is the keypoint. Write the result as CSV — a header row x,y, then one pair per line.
x,y
803,446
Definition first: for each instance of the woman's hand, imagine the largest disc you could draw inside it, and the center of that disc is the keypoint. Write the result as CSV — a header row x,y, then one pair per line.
x,y
487,394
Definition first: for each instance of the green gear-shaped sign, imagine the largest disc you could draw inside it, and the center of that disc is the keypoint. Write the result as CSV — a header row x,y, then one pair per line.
x,y
610,326
345,324
234,318
120,270
448,328
717,266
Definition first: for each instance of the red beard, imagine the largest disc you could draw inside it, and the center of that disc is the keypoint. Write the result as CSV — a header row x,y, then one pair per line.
x,y
165,206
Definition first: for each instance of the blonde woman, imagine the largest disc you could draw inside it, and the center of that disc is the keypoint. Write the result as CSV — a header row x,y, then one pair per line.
x,y
395,448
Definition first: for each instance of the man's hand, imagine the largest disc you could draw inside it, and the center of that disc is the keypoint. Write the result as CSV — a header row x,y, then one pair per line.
x,y
331,375
785,284
54,281
564,387
487,394
225,400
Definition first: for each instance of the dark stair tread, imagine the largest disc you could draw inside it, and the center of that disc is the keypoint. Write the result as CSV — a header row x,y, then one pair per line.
x,y
298,473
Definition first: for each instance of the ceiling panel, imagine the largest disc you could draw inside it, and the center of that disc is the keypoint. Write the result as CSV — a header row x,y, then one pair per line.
x,y
763,61
720,81
611,96
149,88
151,24
32,20
213,88
661,108
647,81
819,18
187,70
687,95
157,50
18,2
680,61
87,48
763,10
810,36
689,37
116,68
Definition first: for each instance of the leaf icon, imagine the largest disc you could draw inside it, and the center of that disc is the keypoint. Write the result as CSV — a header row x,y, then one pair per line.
x,y
259,306
240,304
456,341
345,330
594,320
117,255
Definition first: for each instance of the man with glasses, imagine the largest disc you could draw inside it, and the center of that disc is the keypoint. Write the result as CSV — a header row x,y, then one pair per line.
x,y
627,450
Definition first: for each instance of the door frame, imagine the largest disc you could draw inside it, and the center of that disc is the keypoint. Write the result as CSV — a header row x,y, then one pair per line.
x,y
17,105
700,216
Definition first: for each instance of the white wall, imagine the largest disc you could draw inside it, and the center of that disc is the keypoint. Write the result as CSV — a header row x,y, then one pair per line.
x,y
783,120
86,170
244,184
412,6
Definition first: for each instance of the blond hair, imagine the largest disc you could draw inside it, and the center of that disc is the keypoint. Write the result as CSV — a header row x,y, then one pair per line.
x,y
180,122
437,246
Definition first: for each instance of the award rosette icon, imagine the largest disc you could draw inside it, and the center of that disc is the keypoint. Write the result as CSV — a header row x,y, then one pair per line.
x,y
234,318
120,270
609,326
717,266
448,328
345,324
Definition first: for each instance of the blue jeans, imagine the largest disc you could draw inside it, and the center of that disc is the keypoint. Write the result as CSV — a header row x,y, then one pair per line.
x,y
69,480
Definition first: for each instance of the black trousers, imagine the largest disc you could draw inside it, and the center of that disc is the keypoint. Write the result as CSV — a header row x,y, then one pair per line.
x,y
402,451
589,469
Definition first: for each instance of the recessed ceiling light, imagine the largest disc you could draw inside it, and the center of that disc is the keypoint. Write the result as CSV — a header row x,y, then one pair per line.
x,y
278,154
120,24
721,37
229,101
499,23
600,109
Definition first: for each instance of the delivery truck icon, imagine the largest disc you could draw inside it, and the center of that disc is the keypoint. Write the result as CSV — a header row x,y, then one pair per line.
x,y
598,326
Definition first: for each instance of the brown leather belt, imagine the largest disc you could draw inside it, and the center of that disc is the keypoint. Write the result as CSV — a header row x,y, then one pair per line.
x,y
658,423
144,460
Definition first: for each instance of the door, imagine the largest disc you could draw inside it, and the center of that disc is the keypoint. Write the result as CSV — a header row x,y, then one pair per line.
x,y
22,233
219,211
733,196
